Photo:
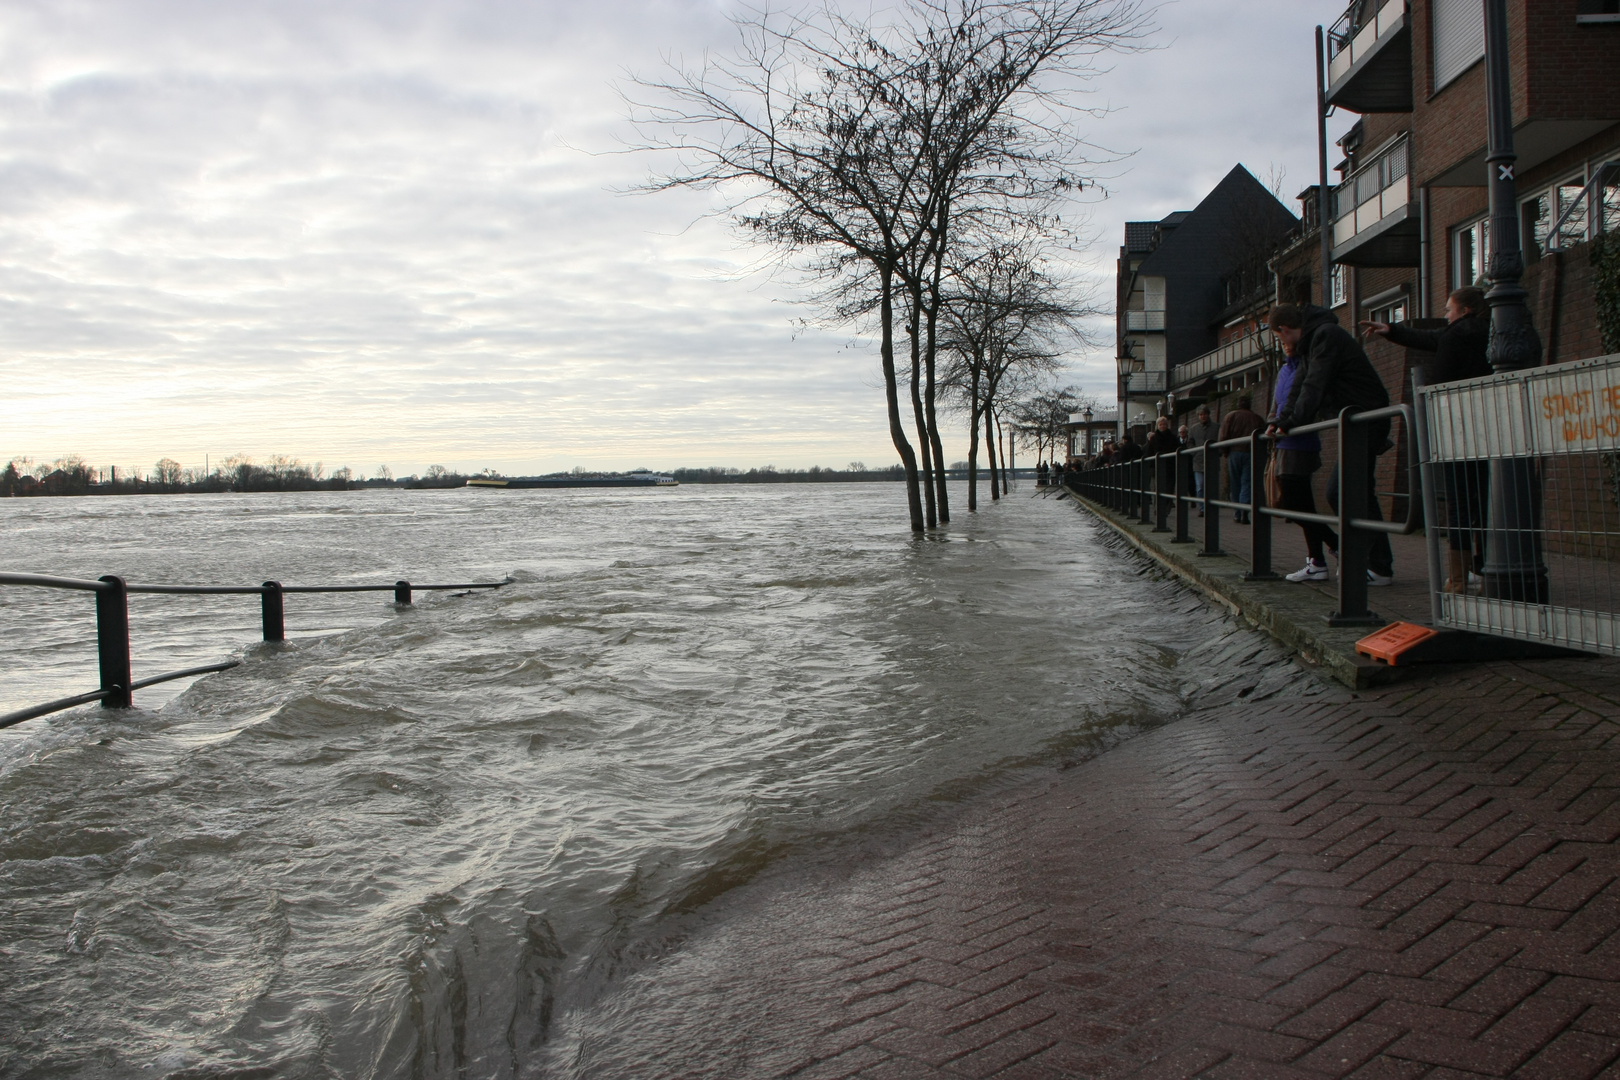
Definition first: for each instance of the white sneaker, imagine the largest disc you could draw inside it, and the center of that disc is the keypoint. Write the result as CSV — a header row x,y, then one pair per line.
x,y
1313,571
1380,579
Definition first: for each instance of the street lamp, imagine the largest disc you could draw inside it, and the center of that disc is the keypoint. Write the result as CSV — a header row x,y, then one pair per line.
x,y
1085,414
1128,365
1514,568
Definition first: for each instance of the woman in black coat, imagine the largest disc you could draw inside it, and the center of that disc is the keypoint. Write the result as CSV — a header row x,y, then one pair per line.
x,y
1459,353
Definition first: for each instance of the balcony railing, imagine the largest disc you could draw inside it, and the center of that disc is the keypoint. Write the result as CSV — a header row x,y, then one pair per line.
x,y
1374,203
1148,382
1238,353
1370,58
1144,320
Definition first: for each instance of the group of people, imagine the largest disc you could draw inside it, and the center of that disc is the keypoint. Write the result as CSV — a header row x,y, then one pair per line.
x,y
1325,370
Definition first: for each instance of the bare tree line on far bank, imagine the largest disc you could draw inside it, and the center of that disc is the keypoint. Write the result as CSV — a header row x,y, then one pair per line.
x,y
910,165
72,475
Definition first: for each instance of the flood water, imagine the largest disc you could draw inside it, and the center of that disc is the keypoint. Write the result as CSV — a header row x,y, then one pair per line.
x,y
427,841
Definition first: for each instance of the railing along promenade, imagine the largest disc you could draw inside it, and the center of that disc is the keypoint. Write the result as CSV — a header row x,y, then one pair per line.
x,y
1155,487
112,627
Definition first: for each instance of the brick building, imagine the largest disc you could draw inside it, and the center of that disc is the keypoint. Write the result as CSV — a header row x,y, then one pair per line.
x,y
1407,210
1187,287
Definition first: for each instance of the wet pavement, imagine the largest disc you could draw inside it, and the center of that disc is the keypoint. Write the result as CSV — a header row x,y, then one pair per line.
x,y
1421,880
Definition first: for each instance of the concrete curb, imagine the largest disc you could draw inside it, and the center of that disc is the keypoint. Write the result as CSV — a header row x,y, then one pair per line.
x,y
1280,610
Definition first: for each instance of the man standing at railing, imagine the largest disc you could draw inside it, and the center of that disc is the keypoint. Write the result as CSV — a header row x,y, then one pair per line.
x,y
1459,353
1337,376
1197,435
1240,423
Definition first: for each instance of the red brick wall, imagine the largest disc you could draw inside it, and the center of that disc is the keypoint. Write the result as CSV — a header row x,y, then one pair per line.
x,y
1573,68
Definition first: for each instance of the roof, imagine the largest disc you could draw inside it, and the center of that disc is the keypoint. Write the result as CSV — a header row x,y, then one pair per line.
x,y
1238,213
1139,236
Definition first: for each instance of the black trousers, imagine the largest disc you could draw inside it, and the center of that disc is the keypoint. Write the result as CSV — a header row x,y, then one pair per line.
x,y
1380,559
1468,487
1297,495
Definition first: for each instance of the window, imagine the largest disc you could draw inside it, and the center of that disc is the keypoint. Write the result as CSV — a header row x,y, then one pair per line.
x,y
1389,313
1540,212
1469,245
1597,11
1458,37
1340,294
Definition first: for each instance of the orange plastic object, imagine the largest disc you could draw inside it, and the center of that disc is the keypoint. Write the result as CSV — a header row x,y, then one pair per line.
x,y
1389,643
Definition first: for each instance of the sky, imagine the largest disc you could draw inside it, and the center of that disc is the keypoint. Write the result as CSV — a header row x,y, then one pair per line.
x,y
402,233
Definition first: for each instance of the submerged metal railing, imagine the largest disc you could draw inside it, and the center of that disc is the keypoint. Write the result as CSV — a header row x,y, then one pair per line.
x,y
1151,488
1523,471
112,627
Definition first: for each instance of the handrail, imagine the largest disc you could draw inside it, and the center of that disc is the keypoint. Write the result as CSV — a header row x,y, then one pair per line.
x,y
170,676
10,718
51,581
1586,196
112,627
1127,487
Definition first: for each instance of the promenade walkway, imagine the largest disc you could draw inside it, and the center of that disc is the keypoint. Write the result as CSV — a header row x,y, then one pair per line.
x,y
1421,880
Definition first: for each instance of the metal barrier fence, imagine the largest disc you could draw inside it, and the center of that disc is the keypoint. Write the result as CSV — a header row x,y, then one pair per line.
x,y
112,628
1523,469
1151,489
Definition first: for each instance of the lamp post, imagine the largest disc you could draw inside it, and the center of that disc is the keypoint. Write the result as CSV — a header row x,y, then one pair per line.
x,y
1514,568
1127,366
1085,415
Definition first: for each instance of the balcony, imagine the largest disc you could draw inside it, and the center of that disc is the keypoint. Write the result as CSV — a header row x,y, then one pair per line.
x,y
1144,320
1370,58
1148,383
1375,221
1248,351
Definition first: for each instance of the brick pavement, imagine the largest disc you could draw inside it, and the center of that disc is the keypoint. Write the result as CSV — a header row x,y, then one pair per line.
x,y
1422,880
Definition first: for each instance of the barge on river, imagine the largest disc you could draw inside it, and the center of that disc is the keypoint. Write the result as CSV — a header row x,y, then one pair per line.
x,y
569,480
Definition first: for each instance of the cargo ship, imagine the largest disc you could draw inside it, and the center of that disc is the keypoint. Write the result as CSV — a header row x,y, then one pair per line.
x,y
638,479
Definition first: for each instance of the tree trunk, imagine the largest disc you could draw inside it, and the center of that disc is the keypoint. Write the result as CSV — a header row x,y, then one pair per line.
x,y
973,443
930,349
990,450
1001,447
917,408
891,387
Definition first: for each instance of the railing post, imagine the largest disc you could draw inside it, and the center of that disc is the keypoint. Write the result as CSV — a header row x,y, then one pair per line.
x,y
1183,496
1353,542
1144,494
402,592
1259,523
275,622
112,642
1212,514
1161,504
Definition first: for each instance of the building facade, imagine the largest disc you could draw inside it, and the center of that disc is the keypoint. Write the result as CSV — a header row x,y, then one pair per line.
x,y
1407,210
1187,287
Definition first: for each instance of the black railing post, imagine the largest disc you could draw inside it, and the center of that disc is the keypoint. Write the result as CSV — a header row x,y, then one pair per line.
x,y
1353,542
275,621
1259,522
1183,496
1161,503
1212,514
112,642
1144,492
402,592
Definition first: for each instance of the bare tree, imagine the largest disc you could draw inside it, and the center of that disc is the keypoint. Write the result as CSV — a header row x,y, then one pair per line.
x,y
849,146
1006,321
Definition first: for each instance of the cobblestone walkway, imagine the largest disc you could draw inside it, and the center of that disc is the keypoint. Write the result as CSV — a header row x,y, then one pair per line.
x,y
1420,881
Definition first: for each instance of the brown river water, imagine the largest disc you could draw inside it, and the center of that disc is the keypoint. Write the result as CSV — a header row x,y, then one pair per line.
x,y
431,841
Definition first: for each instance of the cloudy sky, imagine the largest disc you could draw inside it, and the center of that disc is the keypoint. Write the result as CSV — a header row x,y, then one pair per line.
x,y
392,231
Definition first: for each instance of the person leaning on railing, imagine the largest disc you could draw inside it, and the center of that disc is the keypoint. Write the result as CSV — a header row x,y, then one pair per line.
x,y
1459,353
1240,423
1197,435
1298,458
1337,375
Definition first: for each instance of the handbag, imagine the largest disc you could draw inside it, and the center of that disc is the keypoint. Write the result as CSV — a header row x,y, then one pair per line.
x,y
1273,488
